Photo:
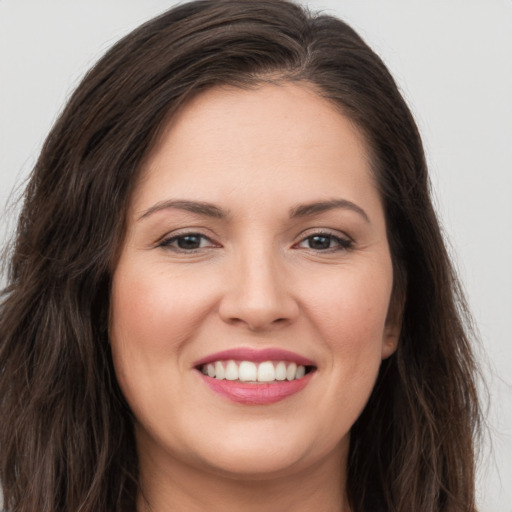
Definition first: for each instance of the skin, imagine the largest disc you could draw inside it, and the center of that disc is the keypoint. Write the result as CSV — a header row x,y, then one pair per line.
x,y
255,280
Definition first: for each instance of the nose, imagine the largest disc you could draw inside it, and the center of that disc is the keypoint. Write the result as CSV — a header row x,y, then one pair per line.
x,y
259,294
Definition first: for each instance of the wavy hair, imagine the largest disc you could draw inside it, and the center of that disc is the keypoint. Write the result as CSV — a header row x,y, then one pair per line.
x,y
66,433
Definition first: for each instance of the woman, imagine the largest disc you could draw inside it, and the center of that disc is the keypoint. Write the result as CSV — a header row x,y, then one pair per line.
x,y
229,289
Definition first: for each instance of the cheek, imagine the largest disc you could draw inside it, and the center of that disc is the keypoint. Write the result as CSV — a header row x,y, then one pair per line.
x,y
355,304
352,320
140,325
153,317
154,313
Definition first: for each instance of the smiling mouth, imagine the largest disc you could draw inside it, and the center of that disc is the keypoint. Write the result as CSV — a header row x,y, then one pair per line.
x,y
250,372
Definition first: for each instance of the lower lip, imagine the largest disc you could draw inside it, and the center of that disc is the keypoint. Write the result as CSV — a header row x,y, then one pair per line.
x,y
256,394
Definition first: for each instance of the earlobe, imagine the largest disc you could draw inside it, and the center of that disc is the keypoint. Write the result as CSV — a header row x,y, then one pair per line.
x,y
393,327
390,340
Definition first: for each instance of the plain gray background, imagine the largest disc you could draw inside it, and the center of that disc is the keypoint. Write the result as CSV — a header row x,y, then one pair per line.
x,y
453,61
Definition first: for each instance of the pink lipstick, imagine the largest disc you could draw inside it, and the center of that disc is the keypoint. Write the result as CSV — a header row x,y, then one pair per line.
x,y
255,377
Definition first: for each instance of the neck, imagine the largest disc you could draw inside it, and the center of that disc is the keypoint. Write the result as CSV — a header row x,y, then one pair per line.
x,y
174,486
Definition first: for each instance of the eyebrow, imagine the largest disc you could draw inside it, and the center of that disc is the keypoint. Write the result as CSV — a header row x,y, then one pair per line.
x,y
211,210
197,207
309,209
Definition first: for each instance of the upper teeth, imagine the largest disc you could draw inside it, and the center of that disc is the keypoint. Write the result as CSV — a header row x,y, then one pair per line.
x,y
247,371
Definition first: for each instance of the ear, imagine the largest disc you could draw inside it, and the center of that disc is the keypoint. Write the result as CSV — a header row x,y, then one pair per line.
x,y
390,339
393,326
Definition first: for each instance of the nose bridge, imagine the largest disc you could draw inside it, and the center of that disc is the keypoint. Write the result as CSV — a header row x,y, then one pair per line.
x,y
259,292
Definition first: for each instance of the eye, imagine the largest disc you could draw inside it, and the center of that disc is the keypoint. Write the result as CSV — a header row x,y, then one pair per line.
x,y
325,242
187,242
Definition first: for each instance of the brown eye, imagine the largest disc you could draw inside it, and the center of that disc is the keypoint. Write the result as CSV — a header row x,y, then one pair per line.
x,y
319,242
187,242
325,242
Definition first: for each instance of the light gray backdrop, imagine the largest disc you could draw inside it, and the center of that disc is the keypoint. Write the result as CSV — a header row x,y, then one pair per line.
x,y
453,61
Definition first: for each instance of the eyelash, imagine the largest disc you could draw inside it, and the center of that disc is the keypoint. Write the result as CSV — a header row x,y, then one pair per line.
x,y
167,243
343,244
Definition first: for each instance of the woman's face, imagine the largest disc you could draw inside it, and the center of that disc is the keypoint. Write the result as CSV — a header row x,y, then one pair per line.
x,y
256,248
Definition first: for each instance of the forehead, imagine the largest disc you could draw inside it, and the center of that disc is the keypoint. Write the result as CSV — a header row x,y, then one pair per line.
x,y
224,113
284,136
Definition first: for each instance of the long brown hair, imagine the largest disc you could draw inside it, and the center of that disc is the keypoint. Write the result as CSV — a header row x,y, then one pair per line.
x,y
66,433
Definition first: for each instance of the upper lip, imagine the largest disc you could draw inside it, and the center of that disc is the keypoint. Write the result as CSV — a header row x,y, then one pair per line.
x,y
255,355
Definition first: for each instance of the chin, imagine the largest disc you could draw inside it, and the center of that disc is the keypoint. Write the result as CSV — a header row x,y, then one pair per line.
x,y
256,465
261,457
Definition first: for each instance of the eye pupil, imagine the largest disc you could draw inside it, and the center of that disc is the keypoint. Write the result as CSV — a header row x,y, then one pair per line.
x,y
189,242
319,242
